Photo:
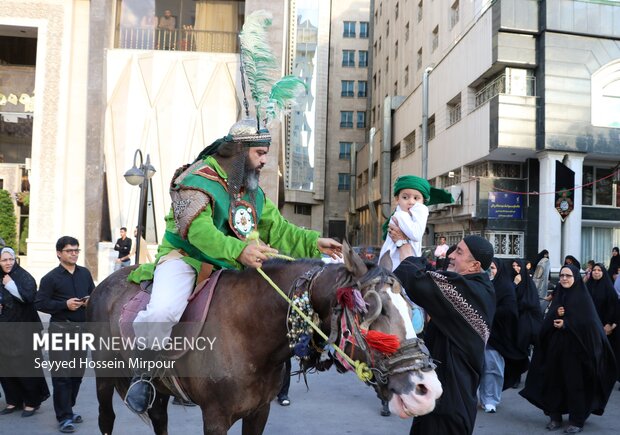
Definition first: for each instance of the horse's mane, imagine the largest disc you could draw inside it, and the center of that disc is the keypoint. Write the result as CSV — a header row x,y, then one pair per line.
x,y
282,261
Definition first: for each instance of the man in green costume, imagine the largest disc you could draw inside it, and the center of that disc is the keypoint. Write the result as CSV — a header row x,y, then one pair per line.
x,y
216,204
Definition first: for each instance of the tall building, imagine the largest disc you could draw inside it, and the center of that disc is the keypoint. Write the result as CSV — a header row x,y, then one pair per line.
x,y
512,106
329,49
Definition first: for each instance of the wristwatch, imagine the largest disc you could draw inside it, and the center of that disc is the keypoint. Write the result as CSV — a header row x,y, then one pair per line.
x,y
400,242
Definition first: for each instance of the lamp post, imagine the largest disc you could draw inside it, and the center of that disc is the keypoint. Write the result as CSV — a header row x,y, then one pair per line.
x,y
140,176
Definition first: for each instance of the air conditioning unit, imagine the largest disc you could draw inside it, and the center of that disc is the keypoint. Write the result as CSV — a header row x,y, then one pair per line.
x,y
456,191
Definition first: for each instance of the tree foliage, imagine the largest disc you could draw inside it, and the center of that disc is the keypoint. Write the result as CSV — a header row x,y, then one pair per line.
x,y
8,221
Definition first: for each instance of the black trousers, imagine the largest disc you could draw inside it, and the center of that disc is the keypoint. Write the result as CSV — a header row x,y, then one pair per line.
x,y
286,380
24,391
65,382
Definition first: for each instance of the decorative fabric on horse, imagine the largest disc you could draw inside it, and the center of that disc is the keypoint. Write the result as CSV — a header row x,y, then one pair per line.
x,y
192,320
351,298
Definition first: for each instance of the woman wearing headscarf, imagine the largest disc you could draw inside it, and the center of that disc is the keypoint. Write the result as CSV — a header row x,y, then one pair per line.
x,y
614,263
528,305
569,259
573,369
18,289
606,304
502,357
541,267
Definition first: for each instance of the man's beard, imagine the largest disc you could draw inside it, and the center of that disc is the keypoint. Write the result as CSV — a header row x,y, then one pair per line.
x,y
252,177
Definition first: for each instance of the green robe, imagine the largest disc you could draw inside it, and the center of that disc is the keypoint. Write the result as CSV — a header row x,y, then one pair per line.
x,y
222,246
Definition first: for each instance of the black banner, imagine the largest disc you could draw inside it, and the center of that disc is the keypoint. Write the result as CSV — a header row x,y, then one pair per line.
x,y
564,189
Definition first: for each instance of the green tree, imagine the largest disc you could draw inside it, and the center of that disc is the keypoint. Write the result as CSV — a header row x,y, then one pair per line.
x,y
8,222
23,246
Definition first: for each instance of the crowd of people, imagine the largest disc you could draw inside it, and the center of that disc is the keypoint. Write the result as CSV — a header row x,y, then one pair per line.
x,y
563,335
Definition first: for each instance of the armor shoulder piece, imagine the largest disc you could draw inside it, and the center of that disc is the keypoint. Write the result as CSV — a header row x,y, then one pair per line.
x,y
187,204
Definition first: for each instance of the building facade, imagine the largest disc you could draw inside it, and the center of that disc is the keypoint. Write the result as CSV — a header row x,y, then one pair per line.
x,y
87,83
509,104
330,50
106,78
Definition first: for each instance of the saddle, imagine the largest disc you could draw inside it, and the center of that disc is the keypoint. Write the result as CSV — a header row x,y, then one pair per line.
x,y
192,320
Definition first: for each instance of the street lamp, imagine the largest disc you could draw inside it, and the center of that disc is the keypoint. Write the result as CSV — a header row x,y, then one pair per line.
x,y
140,176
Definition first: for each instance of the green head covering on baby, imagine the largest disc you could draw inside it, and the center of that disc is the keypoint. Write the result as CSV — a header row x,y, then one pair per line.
x,y
431,195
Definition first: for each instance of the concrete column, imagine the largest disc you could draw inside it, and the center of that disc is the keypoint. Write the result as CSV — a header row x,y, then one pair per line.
x,y
549,221
571,229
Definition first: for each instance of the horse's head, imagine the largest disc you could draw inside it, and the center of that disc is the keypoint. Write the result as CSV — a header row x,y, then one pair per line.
x,y
381,334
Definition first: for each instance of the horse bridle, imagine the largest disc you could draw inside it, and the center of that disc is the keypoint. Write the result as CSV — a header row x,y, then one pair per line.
x,y
412,355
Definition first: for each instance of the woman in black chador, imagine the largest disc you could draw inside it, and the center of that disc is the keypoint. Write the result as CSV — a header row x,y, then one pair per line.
x,y
573,368
528,305
606,303
17,291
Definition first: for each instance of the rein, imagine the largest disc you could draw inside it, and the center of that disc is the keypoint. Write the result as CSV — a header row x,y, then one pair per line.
x,y
412,353
361,369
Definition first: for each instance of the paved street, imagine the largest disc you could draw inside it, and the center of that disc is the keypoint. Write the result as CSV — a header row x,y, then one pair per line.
x,y
335,404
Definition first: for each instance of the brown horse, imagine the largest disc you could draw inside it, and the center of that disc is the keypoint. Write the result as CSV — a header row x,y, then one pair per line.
x,y
244,371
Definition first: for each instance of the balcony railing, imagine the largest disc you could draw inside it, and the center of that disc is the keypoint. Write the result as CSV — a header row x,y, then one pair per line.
x,y
189,39
505,85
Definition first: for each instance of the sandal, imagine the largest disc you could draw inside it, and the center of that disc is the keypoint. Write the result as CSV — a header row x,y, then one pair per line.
x,y
66,426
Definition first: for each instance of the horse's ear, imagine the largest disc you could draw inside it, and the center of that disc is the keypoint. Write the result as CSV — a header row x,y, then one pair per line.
x,y
353,262
386,261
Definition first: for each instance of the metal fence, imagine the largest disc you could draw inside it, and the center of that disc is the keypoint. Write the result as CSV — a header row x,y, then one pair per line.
x,y
141,38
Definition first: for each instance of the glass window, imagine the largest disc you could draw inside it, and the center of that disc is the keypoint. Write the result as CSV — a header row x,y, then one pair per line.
x,y
420,10
431,127
454,14
605,95
604,187
349,29
362,88
363,58
346,119
361,119
304,209
435,38
207,26
363,29
599,188
407,31
419,60
348,57
347,88
345,151
344,182
301,141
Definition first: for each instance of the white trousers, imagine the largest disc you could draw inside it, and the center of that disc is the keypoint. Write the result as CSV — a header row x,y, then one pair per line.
x,y
173,283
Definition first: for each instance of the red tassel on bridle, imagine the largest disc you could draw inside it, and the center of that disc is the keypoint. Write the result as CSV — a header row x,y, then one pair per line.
x,y
381,342
344,296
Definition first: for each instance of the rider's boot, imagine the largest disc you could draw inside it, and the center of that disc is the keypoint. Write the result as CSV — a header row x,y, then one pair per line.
x,y
141,392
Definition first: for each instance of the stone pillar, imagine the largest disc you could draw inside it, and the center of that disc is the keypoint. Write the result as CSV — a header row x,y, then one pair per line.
x,y
101,16
571,229
549,221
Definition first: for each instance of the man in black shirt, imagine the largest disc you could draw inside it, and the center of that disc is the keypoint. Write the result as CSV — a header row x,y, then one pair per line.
x,y
461,305
123,246
64,293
